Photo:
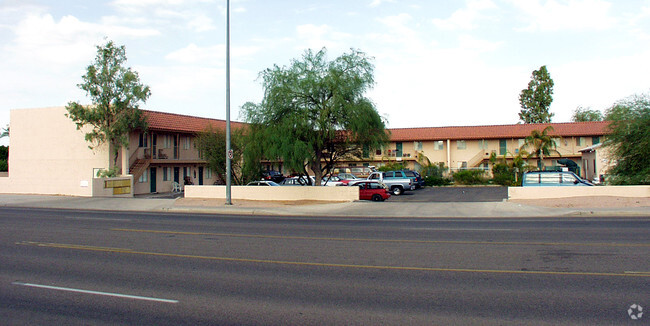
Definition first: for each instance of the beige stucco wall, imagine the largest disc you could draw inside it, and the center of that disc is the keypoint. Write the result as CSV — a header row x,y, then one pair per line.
x,y
48,155
562,192
287,193
101,190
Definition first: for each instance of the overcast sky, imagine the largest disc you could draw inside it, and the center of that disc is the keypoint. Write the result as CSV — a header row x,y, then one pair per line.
x,y
437,63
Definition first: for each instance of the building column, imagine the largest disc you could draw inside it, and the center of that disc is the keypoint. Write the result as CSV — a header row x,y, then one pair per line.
x,y
125,160
449,154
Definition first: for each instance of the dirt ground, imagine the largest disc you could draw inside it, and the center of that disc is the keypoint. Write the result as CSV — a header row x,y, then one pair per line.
x,y
588,202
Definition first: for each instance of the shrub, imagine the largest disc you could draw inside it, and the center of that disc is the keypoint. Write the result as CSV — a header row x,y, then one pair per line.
x,y
503,175
431,181
470,177
392,166
4,166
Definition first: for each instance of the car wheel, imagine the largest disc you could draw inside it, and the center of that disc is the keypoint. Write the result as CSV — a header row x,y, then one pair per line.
x,y
377,197
397,191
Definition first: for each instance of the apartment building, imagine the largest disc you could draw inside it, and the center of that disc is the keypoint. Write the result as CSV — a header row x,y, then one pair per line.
x,y
470,147
48,155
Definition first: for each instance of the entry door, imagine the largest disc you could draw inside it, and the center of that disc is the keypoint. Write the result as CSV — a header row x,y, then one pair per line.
x,y
200,175
152,179
177,171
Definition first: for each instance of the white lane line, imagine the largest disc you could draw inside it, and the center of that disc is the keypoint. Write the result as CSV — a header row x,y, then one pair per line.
x,y
126,296
634,272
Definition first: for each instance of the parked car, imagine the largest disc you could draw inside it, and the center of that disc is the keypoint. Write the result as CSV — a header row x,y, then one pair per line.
x,y
552,179
396,185
371,190
294,181
331,181
418,181
274,176
263,183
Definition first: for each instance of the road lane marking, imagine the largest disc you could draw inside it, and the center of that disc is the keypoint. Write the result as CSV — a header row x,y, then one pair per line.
x,y
98,218
458,229
635,272
314,264
109,294
236,235
67,246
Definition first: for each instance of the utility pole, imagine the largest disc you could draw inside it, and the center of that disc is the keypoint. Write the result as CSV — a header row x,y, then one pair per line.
x,y
228,150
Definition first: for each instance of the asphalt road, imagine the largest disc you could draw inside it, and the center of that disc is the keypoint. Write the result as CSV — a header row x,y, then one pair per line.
x,y
111,268
454,194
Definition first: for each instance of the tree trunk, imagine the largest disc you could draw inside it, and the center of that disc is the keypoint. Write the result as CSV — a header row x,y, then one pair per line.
x,y
318,174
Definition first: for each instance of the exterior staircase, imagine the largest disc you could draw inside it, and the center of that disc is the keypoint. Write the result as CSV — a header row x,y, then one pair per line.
x,y
139,167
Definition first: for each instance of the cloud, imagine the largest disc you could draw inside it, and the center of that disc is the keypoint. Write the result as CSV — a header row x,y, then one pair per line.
x,y
558,15
377,3
188,14
316,37
210,55
466,18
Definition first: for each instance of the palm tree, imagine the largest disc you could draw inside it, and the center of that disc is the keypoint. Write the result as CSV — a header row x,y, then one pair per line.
x,y
541,144
5,132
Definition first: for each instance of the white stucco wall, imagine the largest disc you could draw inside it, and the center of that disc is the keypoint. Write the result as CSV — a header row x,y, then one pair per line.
x,y
562,192
48,155
287,193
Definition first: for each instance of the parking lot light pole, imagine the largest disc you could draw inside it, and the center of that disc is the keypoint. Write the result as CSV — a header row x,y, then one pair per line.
x,y
228,152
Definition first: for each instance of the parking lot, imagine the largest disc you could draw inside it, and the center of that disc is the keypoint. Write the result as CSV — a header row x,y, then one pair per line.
x,y
454,194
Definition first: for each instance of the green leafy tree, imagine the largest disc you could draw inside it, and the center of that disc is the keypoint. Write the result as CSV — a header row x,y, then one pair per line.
x,y
581,114
116,93
211,144
629,140
540,144
536,99
314,112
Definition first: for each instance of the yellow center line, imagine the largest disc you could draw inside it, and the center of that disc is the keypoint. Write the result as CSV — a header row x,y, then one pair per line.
x,y
314,264
282,237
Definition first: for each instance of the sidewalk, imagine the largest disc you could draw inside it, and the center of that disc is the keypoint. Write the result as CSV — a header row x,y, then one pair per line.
x,y
386,209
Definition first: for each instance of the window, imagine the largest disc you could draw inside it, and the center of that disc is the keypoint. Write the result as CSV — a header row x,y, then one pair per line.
x,y
208,174
143,140
503,146
166,174
580,141
461,144
417,145
143,177
438,145
595,140
186,143
378,152
483,144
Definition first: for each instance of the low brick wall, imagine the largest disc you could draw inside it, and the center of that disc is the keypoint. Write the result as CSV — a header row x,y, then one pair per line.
x,y
563,192
285,193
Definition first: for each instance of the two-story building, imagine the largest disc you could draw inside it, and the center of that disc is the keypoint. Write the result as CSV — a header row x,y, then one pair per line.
x,y
470,147
48,155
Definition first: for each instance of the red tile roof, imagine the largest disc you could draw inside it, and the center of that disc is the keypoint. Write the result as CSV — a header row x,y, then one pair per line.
x,y
575,129
162,121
